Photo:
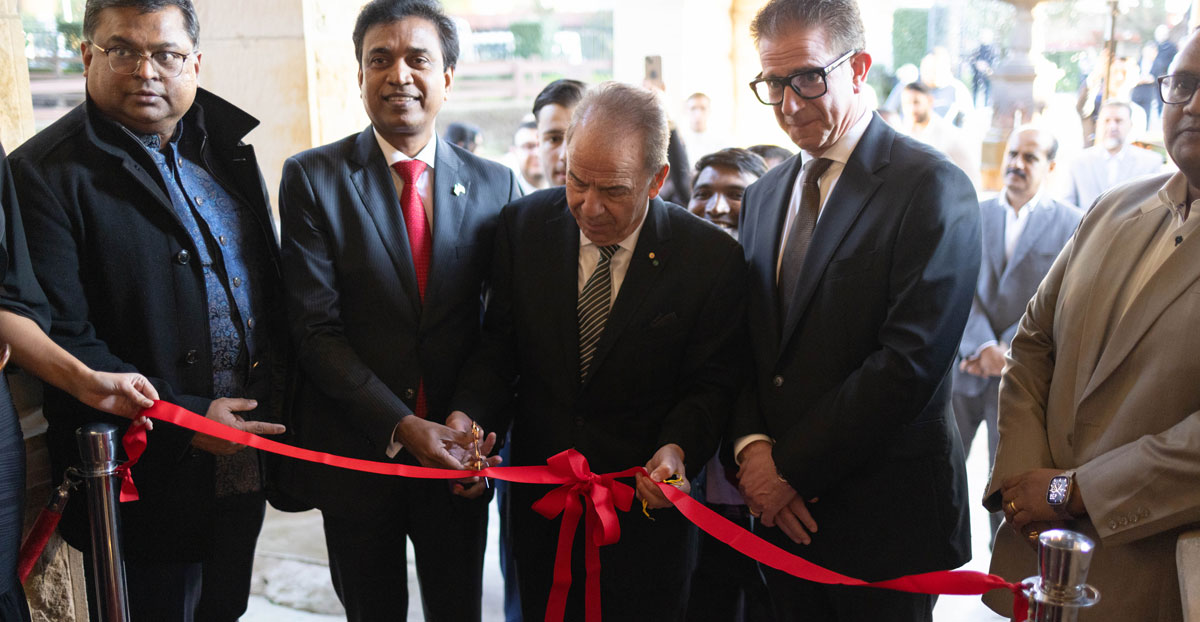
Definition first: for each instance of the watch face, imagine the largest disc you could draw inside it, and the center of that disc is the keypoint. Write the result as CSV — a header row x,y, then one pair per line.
x,y
1057,493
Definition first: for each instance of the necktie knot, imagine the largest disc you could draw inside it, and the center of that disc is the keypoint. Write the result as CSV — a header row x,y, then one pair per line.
x,y
409,170
606,252
816,168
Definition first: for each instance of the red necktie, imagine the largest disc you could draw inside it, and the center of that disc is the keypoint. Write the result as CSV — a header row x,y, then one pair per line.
x,y
419,239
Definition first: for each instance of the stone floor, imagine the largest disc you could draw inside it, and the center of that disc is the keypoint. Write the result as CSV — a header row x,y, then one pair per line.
x,y
291,574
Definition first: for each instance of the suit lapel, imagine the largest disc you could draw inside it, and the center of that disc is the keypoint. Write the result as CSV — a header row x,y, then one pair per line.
x,y
372,179
640,278
771,217
1178,273
561,285
994,221
855,186
1131,240
450,196
1035,229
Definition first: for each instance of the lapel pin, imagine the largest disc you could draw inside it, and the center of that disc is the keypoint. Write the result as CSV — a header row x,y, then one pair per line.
x,y
459,190
653,259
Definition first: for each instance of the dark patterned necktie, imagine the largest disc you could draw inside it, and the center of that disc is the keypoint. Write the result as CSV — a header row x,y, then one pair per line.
x,y
594,303
801,233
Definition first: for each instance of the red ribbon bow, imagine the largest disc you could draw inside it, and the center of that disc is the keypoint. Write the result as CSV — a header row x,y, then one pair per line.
x,y
603,495
134,442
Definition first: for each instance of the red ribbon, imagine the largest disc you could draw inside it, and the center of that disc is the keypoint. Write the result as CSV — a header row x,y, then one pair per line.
x,y
602,495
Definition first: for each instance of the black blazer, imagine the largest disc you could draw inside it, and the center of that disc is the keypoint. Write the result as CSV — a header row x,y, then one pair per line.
x,y
364,339
853,385
667,366
125,295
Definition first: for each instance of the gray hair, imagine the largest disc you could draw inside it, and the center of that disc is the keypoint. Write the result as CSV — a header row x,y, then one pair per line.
x,y
1118,103
626,108
91,14
839,19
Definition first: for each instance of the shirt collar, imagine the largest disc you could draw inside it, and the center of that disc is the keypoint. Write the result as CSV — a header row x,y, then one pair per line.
x,y
1172,195
1028,207
840,151
630,241
427,154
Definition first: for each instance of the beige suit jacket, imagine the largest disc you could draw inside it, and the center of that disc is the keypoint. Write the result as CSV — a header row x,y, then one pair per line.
x,y
1123,410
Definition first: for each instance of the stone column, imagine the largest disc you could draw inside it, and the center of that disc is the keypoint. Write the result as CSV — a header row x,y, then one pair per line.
x,y
16,105
1012,92
289,63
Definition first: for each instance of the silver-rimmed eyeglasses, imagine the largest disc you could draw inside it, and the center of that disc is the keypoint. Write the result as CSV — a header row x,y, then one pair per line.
x,y
126,61
808,84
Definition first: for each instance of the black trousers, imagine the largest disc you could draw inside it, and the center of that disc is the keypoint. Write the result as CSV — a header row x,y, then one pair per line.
x,y
644,576
212,590
726,585
368,555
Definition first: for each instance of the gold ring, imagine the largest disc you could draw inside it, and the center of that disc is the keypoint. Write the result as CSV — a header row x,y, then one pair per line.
x,y
1033,536
753,513
1012,506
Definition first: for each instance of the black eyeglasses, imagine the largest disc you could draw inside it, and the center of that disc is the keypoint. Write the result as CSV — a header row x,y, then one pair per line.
x,y
1177,88
127,62
808,84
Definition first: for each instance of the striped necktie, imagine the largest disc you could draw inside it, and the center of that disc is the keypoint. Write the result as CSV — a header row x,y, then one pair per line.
x,y
594,303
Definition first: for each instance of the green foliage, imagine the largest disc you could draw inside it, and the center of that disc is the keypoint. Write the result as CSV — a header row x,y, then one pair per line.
x,y
72,32
910,35
1068,62
528,39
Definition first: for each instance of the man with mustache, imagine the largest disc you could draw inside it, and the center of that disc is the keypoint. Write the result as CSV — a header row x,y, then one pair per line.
x,y
1099,408
150,231
387,236
1023,231
1112,161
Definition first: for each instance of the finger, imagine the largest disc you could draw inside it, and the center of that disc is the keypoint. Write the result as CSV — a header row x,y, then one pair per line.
x,y
143,384
661,472
488,443
650,493
129,389
144,421
800,511
263,427
237,404
792,527
462,438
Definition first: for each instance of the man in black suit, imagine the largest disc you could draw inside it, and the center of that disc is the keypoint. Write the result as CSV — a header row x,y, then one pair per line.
x,y
619,319
861,279
387,235
149,231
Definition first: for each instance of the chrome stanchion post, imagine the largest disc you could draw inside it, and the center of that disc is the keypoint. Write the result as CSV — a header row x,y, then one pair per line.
x,y
1060,590
98,448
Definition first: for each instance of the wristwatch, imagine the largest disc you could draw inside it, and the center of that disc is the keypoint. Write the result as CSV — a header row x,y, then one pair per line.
x,y
1058,494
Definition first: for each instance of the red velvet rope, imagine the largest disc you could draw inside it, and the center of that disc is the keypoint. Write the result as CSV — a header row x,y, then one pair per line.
x,y
602,495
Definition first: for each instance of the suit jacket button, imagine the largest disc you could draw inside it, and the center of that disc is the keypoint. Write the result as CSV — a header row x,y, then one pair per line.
x,y
1143,512
1112,524
192,356
777,381
1124,520
409,394
182,257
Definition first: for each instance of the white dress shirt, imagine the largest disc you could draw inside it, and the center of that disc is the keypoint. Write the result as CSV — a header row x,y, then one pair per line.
x,y
618,265
428,155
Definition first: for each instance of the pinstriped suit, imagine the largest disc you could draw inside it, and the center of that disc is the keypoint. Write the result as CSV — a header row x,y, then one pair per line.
x,y
366,342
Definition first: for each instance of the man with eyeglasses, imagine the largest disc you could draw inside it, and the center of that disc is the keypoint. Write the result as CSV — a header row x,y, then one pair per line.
x,y
864,252
1099,421
149,230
